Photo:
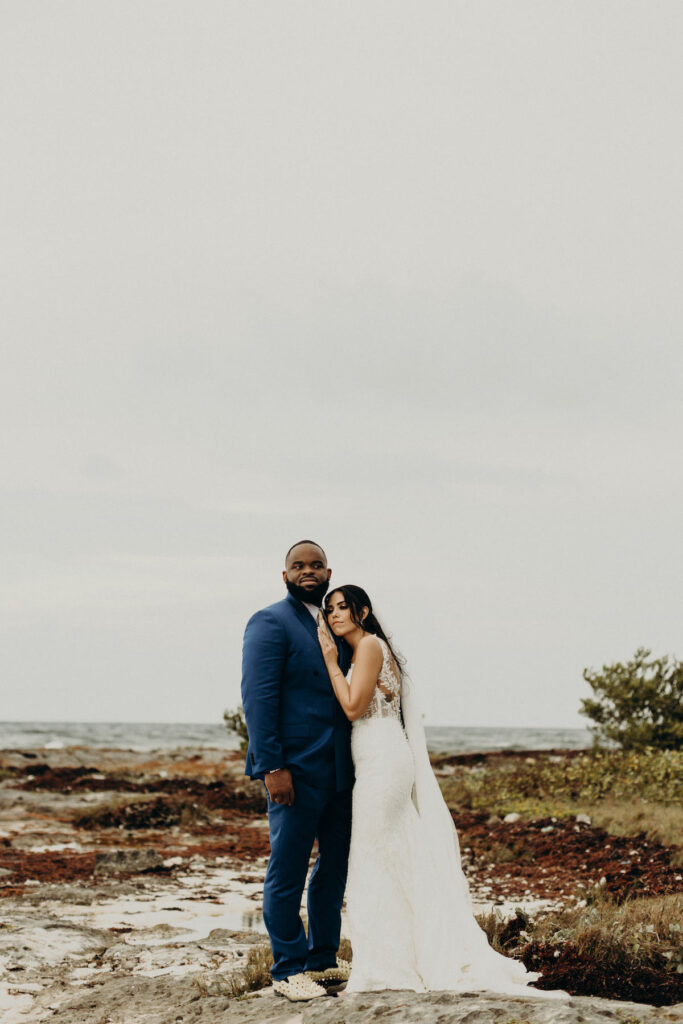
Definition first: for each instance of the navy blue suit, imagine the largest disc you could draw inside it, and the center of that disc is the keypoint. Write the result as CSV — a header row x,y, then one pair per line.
x,y
295,721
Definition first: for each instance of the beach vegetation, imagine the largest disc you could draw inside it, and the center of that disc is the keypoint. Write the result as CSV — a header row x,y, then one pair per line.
x,y
256,972
659,823
637,704
627,793
254,975
140,812
631,950
236,723
516,784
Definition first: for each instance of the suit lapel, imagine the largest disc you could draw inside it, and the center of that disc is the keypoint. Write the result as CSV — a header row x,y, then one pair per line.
x,y
305,618
309,624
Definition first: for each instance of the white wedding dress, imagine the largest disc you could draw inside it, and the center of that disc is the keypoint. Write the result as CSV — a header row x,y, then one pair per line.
x,y
409,910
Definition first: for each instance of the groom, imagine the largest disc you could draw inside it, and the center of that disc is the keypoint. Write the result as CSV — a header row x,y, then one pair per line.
x,y
299,744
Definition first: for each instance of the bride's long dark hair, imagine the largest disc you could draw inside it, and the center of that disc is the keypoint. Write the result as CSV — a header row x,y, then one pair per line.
x,y
357,599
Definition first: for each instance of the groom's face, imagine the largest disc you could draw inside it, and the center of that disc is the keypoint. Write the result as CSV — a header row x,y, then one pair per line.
x,y
306,567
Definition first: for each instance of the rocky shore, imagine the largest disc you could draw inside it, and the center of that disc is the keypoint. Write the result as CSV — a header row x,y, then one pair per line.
x,y
131,885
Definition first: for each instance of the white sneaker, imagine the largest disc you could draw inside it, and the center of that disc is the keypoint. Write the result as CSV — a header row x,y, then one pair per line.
x,y
298,988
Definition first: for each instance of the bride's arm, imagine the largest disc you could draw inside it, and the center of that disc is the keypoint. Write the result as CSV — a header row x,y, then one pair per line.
x,y
356,697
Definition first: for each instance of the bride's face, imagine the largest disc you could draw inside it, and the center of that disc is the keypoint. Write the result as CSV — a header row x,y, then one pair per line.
x,y
339,615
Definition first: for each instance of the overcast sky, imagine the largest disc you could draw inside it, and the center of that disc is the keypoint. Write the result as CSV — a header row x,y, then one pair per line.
x,y
401,277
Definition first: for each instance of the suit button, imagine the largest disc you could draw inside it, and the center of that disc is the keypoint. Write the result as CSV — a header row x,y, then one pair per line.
x,y
315,672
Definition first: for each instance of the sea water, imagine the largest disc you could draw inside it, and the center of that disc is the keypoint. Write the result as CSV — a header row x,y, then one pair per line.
x,y
171,735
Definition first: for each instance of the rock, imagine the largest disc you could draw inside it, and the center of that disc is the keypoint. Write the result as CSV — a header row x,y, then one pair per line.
x,y
34,944
4,872
439,1008
493,820
512,817
115,861
162,998
583,819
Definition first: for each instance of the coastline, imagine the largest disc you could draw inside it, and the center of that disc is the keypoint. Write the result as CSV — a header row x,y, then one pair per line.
x,y
122,868
151,736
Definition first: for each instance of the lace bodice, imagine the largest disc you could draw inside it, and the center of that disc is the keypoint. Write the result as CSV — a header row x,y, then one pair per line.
x,y
386,699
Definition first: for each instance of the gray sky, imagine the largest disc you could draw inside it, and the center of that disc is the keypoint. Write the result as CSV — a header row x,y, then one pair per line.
x,y
403,277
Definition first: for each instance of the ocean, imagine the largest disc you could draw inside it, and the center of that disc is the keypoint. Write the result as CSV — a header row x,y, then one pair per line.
x,y
170,735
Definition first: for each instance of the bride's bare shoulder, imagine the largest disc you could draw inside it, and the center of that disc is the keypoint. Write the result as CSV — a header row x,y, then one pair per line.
x,y
371,647
370,641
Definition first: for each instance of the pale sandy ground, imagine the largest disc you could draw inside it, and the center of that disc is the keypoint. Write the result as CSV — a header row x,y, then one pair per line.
x,y
157,947
199,919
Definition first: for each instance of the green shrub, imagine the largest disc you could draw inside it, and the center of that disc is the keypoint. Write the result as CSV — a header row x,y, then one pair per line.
x,y
236,722
541,785
639,704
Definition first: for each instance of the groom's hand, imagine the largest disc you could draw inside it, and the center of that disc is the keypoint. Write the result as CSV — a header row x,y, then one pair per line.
x,y
280,787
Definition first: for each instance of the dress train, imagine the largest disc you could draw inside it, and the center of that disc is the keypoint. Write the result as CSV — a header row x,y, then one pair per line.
x,y
409,909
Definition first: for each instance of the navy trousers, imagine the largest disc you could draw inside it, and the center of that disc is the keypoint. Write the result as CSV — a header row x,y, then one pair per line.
x,y
324,814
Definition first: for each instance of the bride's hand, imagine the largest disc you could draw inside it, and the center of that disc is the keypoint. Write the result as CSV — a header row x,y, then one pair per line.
x,y
327,644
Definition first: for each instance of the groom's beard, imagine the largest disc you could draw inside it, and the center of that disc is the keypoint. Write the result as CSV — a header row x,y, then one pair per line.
x,y
309,595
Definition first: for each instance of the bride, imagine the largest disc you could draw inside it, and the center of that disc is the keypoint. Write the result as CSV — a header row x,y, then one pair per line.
x,y
409,911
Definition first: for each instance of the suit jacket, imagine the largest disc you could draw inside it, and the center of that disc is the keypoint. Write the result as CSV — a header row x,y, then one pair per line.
x,y
293,717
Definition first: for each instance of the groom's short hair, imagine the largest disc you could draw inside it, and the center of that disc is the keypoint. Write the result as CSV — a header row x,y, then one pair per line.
x,y
299,542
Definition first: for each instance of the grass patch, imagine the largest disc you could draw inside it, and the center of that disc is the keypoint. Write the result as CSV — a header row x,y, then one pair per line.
x,y
253,976
642,932
629,951
660,823
590,777
624,793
